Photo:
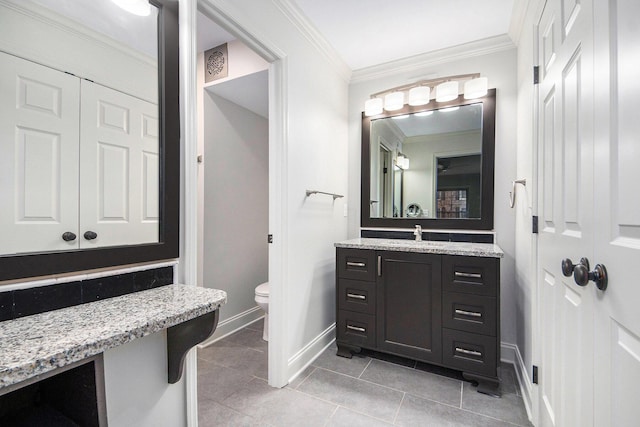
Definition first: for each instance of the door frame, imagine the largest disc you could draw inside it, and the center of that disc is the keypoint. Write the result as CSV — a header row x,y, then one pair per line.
x,y
278,162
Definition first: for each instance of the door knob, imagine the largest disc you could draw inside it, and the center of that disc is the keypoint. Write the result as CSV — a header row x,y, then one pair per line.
x,y
568,266
582,276
90,235
68,236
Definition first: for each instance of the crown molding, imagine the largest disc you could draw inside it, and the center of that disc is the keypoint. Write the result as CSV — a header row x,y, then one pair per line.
x,y
417,62
518,15
294,14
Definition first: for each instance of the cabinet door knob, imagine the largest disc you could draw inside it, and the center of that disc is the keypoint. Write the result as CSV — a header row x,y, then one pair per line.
x,y
68,236
90,235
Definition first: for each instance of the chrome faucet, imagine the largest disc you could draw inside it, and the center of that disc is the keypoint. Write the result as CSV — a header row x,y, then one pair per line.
x,y
418,233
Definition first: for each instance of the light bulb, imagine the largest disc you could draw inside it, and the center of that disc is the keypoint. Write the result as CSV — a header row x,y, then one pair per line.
x,y
476,88
447,91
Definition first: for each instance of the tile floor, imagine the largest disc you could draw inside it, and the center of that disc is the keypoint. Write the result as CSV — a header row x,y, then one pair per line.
x,y
369,390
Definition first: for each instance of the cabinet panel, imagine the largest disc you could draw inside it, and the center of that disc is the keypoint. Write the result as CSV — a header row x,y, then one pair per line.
x,y
409,305
39,163
356,328
471,313
356,264
119,168
470,352
355,295
471,275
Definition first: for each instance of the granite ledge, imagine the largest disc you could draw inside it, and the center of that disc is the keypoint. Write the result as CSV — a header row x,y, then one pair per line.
x,y
37,344
487,250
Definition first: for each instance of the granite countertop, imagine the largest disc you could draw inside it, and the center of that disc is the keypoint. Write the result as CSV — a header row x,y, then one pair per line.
x,y
488,250
33,345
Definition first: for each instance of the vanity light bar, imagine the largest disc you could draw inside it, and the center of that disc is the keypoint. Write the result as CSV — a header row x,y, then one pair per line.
x,y
419,93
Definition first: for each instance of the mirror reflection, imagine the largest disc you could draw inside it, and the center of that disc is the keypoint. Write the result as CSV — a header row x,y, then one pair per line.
x,y
79,126
427,164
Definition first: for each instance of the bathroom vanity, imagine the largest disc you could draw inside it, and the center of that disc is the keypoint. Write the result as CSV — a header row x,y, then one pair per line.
x,y
435,302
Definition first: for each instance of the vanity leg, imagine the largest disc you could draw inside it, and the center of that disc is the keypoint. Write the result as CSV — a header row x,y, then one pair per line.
x,y
486,385
347,350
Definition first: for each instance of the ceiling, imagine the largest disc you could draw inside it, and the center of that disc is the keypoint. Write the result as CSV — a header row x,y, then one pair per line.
x,y
378,31
446,120
250,92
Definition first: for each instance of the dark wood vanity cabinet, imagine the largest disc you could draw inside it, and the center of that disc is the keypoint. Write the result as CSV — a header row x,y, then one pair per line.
x,y
440,309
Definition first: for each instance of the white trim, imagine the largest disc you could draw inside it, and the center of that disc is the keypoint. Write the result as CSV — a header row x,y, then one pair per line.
x,y
293,13
429,59
310,352
511,354
187,14
233,324
87,276
518,15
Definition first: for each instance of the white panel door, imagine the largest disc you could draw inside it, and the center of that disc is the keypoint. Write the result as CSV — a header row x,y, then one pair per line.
x,y
566,223
617,213
119,168
39,164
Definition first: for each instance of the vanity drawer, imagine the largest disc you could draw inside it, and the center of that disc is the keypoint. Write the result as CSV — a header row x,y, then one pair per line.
x,y
356,295
357,264
356,328
471,275
469,352
471,313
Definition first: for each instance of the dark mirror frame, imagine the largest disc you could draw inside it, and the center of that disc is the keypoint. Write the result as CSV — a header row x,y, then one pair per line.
x,y
41,264
485,222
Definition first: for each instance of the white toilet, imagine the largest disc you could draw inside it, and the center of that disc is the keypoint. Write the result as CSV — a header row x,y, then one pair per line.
x,y
262,298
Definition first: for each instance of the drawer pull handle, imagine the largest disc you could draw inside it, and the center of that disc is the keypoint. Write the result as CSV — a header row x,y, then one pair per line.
x,y
356,328
474,275
468,313
465,351
379,265
356,264
356,296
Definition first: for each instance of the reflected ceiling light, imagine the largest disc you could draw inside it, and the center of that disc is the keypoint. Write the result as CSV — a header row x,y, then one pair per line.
x,y
424,113
476,88
404,116
394,101
447,91
373,107
419,95
446,110
136,7
402,161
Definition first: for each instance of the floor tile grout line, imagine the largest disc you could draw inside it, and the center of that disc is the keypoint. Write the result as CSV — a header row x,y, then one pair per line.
x,y
461,393
305,378
395,417
331,416
365,368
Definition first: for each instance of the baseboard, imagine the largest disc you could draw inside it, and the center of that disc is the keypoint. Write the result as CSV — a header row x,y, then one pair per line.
x,y
310,352
234,324
511,354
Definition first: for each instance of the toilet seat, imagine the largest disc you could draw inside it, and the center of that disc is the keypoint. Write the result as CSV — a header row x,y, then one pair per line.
x,y
262,290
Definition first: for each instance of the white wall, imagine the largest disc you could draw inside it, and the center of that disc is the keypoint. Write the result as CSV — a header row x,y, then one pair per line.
x,y
500,68
136,387
314,156
236,203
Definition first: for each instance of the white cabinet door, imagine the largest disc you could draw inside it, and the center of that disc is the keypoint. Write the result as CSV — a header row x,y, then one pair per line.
x,y
39,162
119,168
565,208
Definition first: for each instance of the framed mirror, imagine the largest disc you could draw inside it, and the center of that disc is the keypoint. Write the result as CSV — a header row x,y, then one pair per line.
x,y
431,166
89,135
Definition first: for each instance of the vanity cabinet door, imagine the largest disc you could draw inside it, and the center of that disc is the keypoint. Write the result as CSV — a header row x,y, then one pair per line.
x,y
39,163
409,292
